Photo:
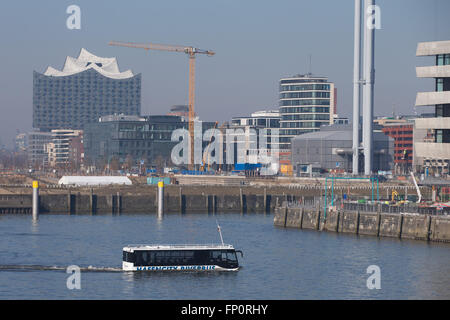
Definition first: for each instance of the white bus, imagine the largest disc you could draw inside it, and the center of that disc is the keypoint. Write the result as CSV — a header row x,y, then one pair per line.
x,y
215,257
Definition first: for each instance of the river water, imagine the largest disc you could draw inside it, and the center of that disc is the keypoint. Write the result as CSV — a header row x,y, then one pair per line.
x,y
277,264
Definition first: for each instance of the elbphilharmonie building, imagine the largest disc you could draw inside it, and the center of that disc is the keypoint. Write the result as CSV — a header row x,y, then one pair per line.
x,y
87,88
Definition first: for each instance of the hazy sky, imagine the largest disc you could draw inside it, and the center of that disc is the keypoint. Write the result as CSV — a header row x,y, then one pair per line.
x,y
256,43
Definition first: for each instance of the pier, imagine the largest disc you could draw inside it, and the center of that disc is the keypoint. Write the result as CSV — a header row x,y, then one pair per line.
x,y
369,220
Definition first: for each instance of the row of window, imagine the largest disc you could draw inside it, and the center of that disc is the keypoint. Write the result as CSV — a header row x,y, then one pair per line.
x,y
305,87
407,145
146,135
305,110
306,102
309,94
306,117
396,133
290,132
306,80
315,124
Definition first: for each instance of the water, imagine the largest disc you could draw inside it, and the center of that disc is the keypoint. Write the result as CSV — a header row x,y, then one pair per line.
x,y
278,263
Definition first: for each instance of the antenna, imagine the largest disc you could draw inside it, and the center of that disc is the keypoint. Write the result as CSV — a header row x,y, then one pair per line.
x,y
310,65
220,231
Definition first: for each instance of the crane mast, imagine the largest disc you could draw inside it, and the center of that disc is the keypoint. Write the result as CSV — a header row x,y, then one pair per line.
x,y
191,52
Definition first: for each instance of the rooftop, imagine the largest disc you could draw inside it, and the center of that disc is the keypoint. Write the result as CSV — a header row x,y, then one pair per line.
x,y
108,67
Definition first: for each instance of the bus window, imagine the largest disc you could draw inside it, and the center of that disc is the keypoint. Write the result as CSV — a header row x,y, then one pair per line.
x,y
188,257
128,256
231,256
139,260
159,257
201,256
215,256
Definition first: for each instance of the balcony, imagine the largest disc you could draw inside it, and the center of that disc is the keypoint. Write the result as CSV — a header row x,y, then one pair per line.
x,y
432,123
432,150
432,48
433,72
432,98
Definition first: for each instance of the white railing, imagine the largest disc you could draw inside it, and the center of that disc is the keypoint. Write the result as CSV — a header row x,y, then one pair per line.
x,y
181,246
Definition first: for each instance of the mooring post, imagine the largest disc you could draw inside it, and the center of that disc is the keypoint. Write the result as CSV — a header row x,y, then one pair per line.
x,y
69,202
265,200
35,200
160,199
357,222
181,199
400,226
112,204
91,201
302,210
241,198
118,203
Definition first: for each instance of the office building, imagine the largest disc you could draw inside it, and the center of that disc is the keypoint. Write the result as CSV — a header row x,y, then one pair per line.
x,y
37,155
402,133
432,135
65,150
21,142
132,139
307,102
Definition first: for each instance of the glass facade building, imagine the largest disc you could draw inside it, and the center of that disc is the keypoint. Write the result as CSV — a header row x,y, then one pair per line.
x,y
132,138
87,88
306,103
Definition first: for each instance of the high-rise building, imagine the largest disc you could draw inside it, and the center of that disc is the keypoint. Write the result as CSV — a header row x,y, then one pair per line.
x,y
21,142
87,88
65,148
306,103
433,155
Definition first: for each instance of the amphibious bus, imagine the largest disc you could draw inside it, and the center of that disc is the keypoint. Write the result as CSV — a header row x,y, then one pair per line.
x,y
215,257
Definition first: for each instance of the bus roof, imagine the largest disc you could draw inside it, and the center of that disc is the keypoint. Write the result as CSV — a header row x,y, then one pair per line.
x,y
133,247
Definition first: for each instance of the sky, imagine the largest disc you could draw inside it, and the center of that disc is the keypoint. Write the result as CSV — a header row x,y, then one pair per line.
x,y
256,44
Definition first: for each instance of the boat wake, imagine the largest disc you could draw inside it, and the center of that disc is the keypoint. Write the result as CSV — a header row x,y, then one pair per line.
x,y
15,267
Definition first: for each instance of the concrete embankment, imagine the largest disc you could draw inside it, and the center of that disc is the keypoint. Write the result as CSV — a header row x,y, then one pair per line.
x,y
141,198
177,199
403,226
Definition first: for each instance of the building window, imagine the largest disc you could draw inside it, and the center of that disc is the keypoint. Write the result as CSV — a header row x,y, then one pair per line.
x,y
443,59
439,110
440,84
438,136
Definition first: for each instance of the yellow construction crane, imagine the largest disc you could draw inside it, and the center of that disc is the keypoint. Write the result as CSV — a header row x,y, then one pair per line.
x,y
191,52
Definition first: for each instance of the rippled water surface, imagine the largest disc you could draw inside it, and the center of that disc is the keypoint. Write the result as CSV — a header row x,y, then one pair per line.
x,y
278,263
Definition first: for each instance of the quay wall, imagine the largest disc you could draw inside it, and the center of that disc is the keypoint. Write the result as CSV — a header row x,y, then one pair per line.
x,y
175,201
402,226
